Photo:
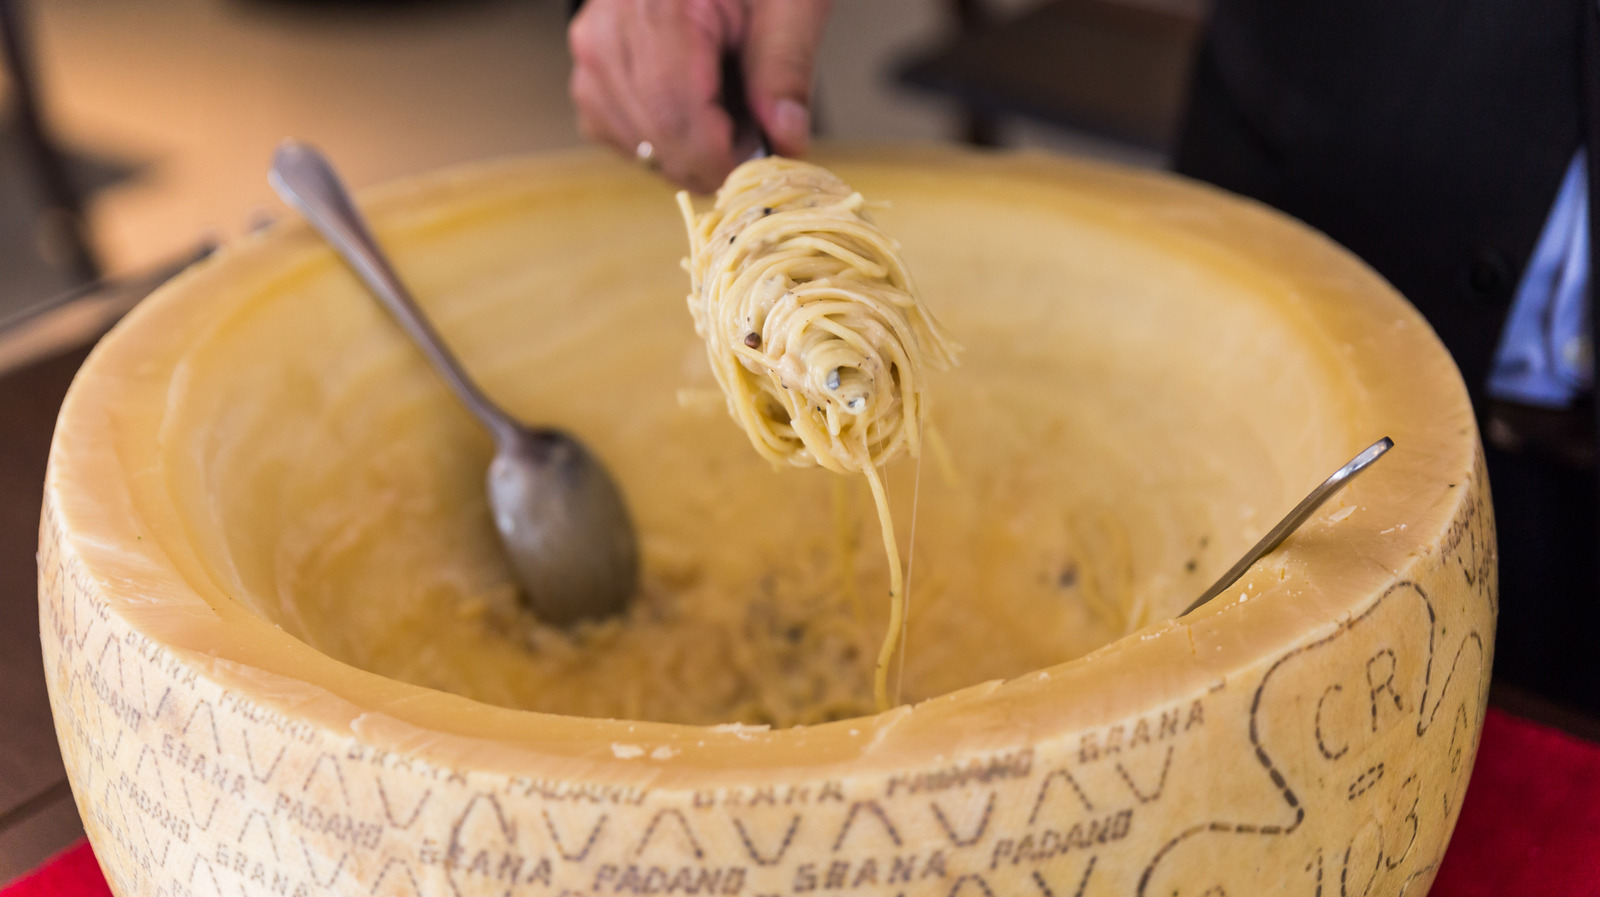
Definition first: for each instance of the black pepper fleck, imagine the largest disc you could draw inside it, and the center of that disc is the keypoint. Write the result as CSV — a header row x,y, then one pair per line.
x,y
753,340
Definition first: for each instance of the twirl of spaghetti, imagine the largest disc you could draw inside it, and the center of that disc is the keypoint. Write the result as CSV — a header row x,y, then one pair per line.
x,y
816,334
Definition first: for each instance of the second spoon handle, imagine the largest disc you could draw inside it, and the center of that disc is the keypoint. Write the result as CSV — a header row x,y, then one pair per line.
x,y
306,181
1301,513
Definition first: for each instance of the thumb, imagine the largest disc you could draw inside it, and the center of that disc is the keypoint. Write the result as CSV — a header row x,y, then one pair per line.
x,y
780,55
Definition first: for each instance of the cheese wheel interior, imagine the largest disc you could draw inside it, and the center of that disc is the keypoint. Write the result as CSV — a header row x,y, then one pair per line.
x,y
275,631
1127,419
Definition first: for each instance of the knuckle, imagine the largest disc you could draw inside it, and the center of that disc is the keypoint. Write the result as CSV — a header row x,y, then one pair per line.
x,y
663,117
661,12
583,40
665,109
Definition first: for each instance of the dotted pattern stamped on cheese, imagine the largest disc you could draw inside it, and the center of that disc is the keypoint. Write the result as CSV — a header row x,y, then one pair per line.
x,y
1335,767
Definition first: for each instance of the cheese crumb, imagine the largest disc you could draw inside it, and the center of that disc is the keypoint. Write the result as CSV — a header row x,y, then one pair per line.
x,y
740,730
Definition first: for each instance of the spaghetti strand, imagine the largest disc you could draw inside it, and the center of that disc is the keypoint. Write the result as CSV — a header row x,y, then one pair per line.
x,y
815,333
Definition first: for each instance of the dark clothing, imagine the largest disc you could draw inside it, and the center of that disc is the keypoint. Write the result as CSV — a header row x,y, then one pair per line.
x,y
1430,137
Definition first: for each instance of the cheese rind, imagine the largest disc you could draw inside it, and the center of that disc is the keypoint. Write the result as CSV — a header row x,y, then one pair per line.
x,y
1320,720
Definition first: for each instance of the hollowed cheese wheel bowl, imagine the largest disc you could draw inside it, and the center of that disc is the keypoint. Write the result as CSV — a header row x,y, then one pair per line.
x,y
285,657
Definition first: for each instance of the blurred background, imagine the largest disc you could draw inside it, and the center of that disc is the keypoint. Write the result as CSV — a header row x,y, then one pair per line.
x,y
134,134
166,113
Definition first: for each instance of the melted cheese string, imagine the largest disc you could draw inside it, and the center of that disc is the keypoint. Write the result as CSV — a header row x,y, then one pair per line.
x,y
815,334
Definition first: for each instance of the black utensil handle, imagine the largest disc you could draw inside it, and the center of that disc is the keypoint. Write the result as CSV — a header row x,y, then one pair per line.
x,y
749,140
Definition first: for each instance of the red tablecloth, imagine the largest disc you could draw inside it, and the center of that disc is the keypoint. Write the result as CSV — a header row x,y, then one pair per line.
x,y
71,873
1530,824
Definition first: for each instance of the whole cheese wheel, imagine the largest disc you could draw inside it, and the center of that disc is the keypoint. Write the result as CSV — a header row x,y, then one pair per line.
x,y
255,477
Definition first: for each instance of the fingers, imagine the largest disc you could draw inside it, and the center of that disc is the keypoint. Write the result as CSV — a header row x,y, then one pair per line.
x,y
674,74
599,118
780,56
648,70
596,43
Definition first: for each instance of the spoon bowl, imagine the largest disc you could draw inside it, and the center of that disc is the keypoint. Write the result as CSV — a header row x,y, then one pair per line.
x,y
562,520
564,525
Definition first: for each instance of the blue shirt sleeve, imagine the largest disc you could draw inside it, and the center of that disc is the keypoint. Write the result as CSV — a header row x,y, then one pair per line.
x,y
1545,357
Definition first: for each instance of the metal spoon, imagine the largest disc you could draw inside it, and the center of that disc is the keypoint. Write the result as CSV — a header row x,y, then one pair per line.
x,y
1301,513
561,518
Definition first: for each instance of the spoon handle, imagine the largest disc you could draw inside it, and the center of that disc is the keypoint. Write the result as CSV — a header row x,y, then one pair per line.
x,y
1301,513
305,180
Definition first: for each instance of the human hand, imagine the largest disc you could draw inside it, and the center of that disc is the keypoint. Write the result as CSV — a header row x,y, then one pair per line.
x,y
650,70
